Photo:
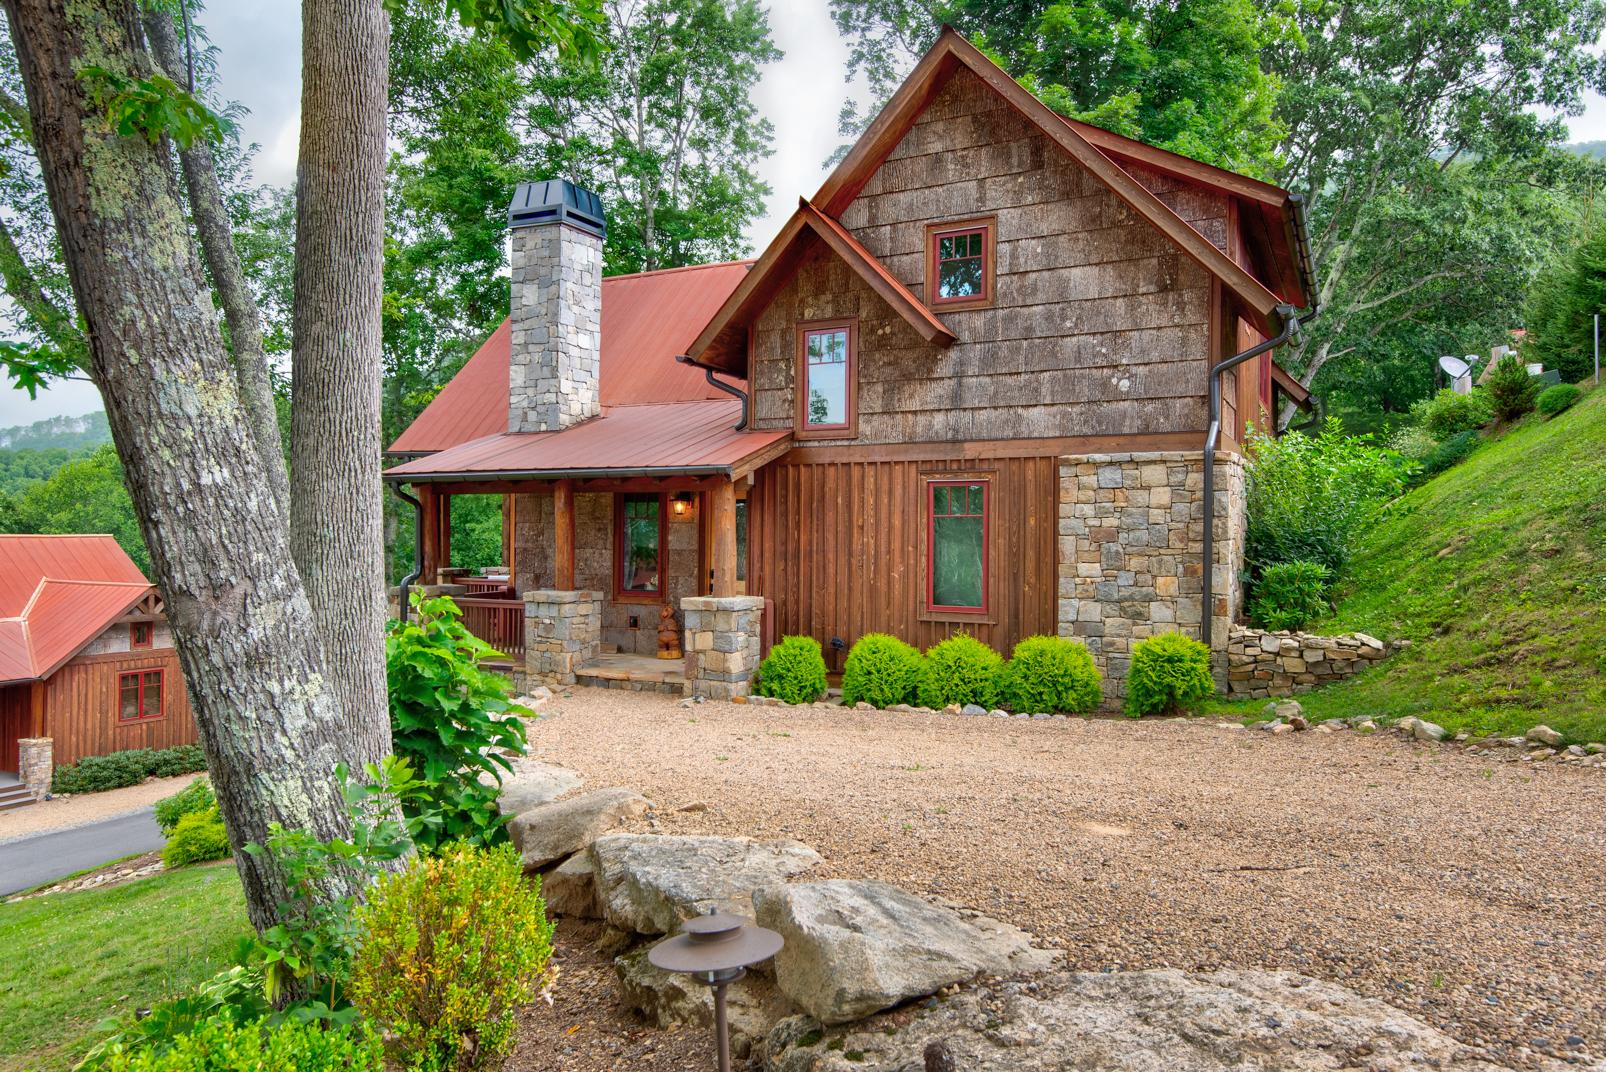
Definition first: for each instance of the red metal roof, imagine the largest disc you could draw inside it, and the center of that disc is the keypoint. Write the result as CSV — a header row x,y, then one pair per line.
x,y
647,319
56,594
668,437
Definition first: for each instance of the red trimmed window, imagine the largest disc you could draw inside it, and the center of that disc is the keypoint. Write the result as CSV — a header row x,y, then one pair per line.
x,y
956,545
826,377
139,696
641,541
139,634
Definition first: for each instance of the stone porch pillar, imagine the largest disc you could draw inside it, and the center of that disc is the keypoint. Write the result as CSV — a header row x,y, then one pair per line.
x,y
36,764
562,632
722,644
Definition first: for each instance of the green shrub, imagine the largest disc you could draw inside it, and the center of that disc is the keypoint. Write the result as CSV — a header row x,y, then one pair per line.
x,y
197,796
1412,441
1451,452
1310,497
1170,673
1290,594
1557,399
452,721
449,950
1051,673
881,670
262,1046
198,836
1511,390
960,670
93,774
232,996
1448,413
793,671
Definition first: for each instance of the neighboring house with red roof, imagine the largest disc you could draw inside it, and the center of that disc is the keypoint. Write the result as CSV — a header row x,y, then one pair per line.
x,y
971,384
86,656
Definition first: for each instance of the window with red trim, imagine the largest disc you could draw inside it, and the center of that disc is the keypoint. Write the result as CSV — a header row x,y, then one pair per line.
x,y
825,376
139,696
641,542
956,545
139,634
959,264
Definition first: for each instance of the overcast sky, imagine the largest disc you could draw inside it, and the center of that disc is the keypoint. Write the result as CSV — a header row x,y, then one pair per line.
x,y
260,63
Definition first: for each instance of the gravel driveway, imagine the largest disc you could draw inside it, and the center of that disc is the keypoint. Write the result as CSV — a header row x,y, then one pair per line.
x,y
1469,892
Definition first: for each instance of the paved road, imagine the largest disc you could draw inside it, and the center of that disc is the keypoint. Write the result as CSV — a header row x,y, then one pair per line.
x,y
36,860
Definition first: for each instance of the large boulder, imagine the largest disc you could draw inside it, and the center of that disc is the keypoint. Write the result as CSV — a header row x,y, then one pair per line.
x,y
532,783
854,948
666,999
1149,1021
570,889
649,883
552,831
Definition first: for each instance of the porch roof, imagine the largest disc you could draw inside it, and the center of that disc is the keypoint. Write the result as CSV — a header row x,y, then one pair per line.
x,y
662,439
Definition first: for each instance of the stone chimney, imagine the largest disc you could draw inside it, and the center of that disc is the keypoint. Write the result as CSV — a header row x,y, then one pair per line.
x,y
555,365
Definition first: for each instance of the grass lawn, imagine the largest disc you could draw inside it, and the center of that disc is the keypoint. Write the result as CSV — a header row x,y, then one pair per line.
x,y
1496,571
73,959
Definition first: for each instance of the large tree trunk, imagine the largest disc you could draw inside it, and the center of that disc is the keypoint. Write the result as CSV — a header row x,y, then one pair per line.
x,y
336,502
239,306
246,638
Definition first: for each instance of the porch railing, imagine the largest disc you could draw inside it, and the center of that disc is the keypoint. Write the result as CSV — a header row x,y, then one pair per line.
x,y
498,622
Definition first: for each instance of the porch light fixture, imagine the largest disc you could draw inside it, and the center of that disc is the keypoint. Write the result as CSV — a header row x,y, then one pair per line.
x,y
716,950
680,503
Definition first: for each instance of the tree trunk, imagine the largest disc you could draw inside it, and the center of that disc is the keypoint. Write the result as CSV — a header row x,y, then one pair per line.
x,y
336,504
239,306
246,639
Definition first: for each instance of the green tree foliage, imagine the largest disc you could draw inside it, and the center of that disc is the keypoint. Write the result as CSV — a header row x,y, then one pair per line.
x,y
1561,309
85,495
1511,389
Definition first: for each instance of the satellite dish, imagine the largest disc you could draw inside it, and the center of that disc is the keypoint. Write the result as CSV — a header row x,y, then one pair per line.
x,y
1454,367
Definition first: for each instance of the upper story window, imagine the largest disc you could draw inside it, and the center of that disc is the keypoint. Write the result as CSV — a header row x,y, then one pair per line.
x,y
956,549
640,543
826,379
139,634
959,264
139,696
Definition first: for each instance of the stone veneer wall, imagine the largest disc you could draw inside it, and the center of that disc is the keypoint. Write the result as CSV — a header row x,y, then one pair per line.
x,y
1131,537
562,630
1263,664
556,345
722,644
36,764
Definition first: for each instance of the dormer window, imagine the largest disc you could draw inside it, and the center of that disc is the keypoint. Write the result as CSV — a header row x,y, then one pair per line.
x,y
959,264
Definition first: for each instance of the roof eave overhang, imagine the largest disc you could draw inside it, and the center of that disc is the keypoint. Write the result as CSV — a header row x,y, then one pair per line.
x,y
469,475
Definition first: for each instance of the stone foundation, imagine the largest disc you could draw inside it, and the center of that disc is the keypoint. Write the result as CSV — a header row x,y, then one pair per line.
x,y
722,644
1131,541
1263,664
36,764
562,631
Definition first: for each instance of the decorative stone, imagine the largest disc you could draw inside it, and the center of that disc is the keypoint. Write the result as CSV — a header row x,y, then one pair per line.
x,y
532,783
570,889
553,831
649,883
1423,730
1543,734
973,709
669,999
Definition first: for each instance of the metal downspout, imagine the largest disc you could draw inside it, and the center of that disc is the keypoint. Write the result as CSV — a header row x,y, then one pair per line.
x,y
418,547
708,374
1290,328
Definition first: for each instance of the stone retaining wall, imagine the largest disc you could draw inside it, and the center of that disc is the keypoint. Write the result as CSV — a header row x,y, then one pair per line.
x,y
562,630
1266,664
722,644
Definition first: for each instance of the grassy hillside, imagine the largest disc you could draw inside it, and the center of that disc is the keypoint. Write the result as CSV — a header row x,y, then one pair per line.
x,y
1496,571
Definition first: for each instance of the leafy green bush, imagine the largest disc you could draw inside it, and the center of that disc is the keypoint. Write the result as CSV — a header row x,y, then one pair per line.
x,y
221,1046
1310,497
93,774
1451,452
793,671
1511,390
198,836
1289,594
232,996
1170,673
452,721
197,796
1051,673
960,670
1557,399
1448,413
1412,441
449,950
880,670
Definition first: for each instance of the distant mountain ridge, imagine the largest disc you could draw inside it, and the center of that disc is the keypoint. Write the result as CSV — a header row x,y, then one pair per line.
x,y
73,433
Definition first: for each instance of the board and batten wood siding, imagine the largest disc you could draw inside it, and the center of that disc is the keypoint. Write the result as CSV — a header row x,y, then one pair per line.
x,y
81,706
1100,326
840,547
15,707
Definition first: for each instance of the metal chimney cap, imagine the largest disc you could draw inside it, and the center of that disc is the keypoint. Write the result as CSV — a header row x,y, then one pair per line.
x,y
557,201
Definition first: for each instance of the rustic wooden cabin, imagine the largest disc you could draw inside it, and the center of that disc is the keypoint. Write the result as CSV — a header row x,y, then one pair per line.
x,y
987,378
87,664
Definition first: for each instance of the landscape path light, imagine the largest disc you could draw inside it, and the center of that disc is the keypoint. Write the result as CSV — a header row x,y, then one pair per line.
x,y
716,950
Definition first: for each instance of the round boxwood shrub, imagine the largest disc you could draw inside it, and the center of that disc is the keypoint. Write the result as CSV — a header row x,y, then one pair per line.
x,y
197,796
1170,673
960,670
1290,594
222,1046
793,671
1051,673
198,836
1557,399
881,670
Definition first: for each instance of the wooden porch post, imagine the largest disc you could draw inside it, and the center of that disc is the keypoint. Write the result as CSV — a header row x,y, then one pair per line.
x,y
509,515
432,533
723,503
446,531
563,535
